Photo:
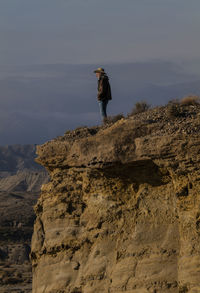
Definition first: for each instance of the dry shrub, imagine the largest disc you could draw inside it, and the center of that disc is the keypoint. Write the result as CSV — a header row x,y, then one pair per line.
x,y
139,107
174,101
190,100
113,119
174,110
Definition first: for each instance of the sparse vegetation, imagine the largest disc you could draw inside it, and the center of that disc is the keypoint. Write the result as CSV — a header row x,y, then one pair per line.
x,y
81,127
173,101
139,107
190,100
113,119
176,108
81,131
173,110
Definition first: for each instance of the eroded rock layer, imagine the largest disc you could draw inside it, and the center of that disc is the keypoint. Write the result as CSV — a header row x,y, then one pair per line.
x,y
122,210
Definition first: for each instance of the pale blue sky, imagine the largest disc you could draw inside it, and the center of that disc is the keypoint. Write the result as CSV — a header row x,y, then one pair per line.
x,y
91,31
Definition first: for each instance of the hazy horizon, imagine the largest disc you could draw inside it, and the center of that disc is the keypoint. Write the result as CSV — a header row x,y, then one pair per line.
x,y
40,102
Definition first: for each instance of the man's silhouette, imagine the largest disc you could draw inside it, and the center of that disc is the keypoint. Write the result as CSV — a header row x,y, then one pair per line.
x,y
104,91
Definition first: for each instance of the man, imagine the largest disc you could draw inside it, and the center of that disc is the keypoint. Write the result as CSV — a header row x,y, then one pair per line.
x,y
104,92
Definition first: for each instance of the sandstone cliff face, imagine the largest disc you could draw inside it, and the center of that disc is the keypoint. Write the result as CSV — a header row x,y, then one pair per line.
x,y
122,210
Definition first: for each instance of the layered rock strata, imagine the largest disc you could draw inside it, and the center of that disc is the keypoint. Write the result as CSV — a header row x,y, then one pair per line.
x,y
122,210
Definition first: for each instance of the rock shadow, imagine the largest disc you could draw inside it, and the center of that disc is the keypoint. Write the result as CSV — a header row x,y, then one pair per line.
x,y
139,172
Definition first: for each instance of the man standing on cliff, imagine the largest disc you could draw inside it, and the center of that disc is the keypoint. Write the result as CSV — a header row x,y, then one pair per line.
x,y
104,92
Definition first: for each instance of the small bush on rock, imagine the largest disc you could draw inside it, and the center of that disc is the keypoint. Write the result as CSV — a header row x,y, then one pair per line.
x,y
190,100
139,107
113,119
173,101
174,110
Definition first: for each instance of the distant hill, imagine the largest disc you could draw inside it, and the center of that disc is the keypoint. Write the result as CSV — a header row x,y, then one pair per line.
x,y
20,183
19,171
14,158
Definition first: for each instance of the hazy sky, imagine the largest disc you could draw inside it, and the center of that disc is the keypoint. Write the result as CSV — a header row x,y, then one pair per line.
x,y
49,49
98,31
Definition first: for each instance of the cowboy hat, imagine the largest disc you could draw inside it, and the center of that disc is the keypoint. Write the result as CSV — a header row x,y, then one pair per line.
x,y
99,70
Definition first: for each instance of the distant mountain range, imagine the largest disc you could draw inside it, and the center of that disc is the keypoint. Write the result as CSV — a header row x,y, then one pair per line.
x,y
15,158
19,171
20,182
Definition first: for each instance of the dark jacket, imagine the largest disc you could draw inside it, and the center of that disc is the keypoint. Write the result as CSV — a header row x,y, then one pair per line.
x,y
104,90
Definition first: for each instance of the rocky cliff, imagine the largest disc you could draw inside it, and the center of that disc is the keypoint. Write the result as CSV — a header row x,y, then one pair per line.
x,y
122,210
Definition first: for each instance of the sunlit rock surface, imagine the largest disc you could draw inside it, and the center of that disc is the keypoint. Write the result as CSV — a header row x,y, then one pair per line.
x,y
122,210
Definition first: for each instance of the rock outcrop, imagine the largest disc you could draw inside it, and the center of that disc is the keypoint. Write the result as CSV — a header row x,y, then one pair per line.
x,y
122,210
